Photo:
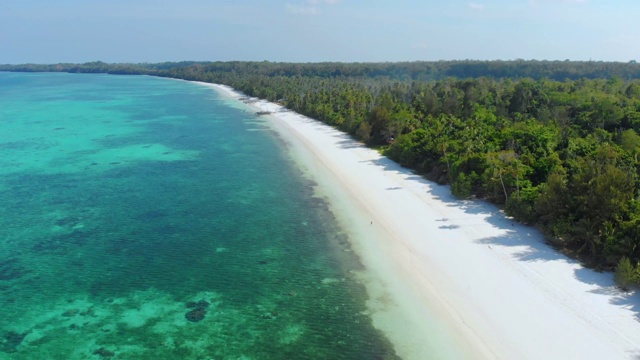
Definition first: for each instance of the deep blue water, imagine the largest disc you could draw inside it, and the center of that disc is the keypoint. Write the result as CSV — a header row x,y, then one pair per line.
x,y
147,218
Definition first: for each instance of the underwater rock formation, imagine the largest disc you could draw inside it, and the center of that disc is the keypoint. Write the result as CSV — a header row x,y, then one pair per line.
x,y
104,353
202,304
11,340
199,310
196,315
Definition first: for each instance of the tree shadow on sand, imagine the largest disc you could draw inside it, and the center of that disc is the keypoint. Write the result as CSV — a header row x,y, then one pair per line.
x,y
529,241
606,286
526,238
349,144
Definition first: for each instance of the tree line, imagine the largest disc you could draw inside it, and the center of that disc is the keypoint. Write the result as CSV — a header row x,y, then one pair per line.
x,y
555,144
403,71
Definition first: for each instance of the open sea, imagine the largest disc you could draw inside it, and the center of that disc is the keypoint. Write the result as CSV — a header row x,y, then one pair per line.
x,y
149,218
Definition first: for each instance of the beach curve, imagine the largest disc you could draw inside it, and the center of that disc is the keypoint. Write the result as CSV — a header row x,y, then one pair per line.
x,y
451,278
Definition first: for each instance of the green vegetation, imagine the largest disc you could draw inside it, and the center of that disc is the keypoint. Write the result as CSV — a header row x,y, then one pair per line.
x,y
555,143
626,274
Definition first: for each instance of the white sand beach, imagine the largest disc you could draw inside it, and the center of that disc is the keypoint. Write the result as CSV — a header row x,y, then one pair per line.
x,y
453,279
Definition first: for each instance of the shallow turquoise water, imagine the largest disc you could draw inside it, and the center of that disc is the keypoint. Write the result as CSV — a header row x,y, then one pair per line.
x,y
132,206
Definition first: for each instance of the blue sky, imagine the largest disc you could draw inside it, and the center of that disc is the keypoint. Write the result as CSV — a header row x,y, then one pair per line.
x,y
39,31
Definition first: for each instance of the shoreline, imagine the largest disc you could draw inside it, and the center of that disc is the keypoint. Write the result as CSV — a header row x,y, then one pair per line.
x,y
452,278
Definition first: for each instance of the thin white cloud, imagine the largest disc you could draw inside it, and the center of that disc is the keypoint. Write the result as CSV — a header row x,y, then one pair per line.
x,y
420,45
552,2
309,7
317,2
475,6
301,9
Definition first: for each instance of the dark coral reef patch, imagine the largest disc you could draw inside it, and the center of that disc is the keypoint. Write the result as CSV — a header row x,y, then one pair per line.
x,y
198,310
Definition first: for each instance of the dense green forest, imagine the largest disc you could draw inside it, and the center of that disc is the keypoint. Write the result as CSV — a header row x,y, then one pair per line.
x,y
554,143
401,71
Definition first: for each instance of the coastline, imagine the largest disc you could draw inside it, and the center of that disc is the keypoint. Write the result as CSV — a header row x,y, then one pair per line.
x,y
449,278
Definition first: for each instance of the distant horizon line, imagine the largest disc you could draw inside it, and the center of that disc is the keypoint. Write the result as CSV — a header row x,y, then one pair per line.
x,y
632,61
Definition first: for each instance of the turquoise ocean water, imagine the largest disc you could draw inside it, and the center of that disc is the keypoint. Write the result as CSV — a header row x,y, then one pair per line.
x,y
147,218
